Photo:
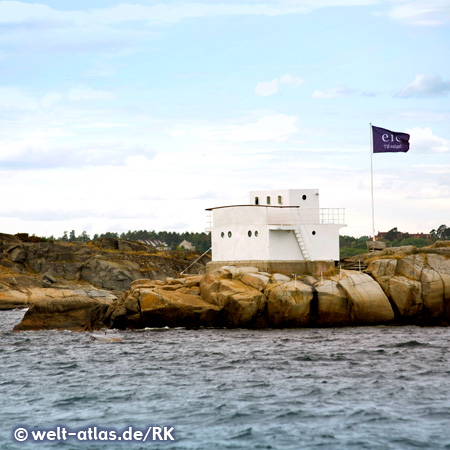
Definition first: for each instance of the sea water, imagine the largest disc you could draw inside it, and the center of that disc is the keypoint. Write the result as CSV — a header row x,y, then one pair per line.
x,y
331,388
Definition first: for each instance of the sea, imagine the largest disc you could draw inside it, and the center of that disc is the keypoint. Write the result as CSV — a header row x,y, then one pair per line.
x,y
383,387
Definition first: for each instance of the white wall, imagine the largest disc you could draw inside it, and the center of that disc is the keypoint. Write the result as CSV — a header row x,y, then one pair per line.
x,y
290,197
284,246
240,246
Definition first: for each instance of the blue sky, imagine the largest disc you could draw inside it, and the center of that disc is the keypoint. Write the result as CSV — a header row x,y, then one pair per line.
x,y
125,116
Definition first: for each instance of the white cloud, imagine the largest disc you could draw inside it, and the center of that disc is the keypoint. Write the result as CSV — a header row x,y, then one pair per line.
x,y
278,127
421,12
289,79
16,12
81,92
12,98
424,141
335,92
425,86
275,127
267,88
50,98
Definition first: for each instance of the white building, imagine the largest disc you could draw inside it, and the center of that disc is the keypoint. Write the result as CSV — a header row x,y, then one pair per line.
x,y
277,225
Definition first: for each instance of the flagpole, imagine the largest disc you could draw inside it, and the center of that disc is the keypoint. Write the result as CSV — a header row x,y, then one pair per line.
x,y
371,181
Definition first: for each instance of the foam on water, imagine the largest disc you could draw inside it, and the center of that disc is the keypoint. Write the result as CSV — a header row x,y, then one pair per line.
x,y
361,388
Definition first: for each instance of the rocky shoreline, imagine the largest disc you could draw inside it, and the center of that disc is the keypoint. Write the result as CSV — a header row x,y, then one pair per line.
x,y
403,285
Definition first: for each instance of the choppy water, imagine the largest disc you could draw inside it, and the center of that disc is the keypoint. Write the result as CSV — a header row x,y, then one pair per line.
x,y
355,388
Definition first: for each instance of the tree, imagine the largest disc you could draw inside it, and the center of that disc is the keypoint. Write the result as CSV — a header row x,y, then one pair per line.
x,y
72,236
442,233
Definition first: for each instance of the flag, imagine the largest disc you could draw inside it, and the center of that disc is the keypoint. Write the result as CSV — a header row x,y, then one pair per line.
x,y
386,141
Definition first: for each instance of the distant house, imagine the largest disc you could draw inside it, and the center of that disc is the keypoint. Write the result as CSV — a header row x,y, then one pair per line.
x,y
157,244
187,245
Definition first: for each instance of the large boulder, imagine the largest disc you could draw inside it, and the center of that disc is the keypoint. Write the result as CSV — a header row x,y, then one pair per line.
x,y
161,308
77,313
432,293
332,308
241,305
367,302
406,294
289,304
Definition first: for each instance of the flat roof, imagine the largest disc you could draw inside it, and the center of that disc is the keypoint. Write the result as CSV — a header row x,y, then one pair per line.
x,y
255,206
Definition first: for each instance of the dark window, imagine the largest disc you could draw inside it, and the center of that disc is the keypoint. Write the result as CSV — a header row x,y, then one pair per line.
x,y
222,234
256,200
313,233
229,234
268,200
304,197
249,233
280,200
256,233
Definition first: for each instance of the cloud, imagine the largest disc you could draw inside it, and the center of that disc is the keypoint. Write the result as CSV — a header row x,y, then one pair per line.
x,y
267,88
40,152
16,12
81,92
275,127
424,141
336,92
421,12
12,98
425,86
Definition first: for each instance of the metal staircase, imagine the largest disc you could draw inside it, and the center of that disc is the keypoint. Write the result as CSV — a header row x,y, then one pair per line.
x,y
301,244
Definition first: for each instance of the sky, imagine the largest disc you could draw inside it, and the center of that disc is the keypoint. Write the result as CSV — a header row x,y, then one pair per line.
x,y
131,116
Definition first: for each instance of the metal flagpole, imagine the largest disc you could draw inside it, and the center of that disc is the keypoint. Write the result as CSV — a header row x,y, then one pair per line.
x,y
371,181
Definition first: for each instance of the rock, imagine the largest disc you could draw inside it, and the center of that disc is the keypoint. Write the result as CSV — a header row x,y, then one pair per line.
x,y
441,265
255,280
432,293
289,304
11,299
309,280
243,270
49,278
382,267
75,314
280,278
410,267
241,305
160,308
406,294
17,254
367,302
333,308
112,275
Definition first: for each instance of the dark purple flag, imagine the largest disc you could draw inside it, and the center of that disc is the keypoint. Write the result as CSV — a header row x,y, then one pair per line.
x,y
386,141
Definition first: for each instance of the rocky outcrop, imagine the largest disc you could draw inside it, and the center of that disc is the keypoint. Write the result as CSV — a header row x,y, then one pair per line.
x,y
107,263
403,287
76,313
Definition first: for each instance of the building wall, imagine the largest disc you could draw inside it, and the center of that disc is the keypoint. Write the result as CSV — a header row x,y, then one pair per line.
x,y
305,198
324,244
239,233
283,246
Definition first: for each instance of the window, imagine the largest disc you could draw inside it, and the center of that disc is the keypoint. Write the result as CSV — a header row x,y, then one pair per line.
x,y
256,200
268,200
222,234
256,233
229,234
304,197
313,233
249,233
280,200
